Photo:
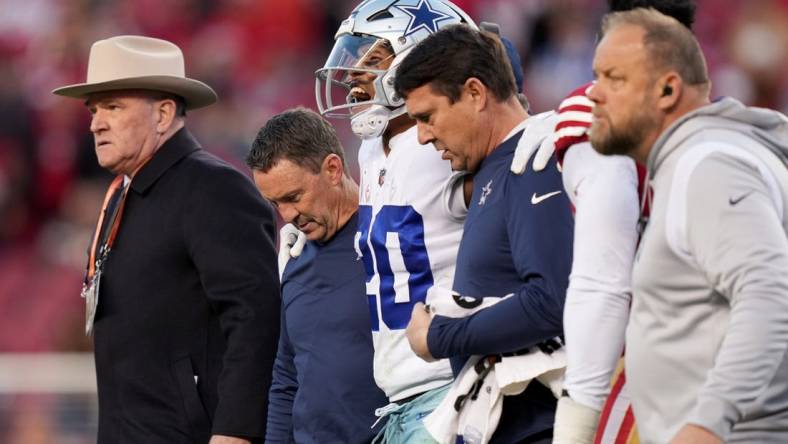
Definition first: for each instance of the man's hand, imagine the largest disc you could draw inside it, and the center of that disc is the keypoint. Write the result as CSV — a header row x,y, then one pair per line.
x,y
524,151
693,434
291,243
416,332
574,119
222,439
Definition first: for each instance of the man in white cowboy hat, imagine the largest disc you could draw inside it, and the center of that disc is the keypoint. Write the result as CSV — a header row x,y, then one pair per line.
x,y
181,289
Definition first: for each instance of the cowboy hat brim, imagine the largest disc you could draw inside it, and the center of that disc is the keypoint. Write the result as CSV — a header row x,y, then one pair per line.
x,y
196,94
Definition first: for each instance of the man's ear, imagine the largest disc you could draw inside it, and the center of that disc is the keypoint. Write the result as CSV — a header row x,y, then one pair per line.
x,y
668,88
333,168
165,114
477,92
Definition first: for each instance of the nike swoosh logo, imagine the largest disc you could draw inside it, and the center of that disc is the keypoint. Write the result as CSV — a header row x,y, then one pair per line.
x,y
537,199
733,201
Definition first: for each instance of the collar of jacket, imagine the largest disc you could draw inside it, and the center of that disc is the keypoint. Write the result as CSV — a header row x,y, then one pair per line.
x,y
180,145
765,125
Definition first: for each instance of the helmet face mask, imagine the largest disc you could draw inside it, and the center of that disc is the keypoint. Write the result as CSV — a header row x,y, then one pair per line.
x,y
357,80
351,80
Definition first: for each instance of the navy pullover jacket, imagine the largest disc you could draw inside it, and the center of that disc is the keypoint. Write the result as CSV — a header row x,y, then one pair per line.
x,y
323,390
517,239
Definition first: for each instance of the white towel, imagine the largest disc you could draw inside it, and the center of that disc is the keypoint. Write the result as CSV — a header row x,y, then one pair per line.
x,y
478,416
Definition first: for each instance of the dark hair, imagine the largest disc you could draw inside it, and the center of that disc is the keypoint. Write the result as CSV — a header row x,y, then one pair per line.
x,y
180,103
299,135
451,56
681,10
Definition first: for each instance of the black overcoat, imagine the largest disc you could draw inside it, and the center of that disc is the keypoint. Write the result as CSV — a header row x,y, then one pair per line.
x,y
188,317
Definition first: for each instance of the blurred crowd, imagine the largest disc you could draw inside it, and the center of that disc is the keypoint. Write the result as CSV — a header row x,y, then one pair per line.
x,y
260,56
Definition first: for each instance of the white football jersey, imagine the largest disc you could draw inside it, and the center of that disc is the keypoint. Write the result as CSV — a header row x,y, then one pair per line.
x,y
408,240
604,191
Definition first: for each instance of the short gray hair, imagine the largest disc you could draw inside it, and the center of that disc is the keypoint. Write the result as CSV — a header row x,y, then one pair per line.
x,y
670,45
299,135
180,102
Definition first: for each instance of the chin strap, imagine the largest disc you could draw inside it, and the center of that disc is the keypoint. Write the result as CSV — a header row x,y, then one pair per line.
x,y
372,123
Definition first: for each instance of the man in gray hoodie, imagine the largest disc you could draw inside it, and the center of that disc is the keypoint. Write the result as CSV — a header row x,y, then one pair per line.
x,y
708,333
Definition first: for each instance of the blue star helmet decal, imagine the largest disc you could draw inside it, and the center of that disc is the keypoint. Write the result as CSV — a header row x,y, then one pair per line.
x,y
422,17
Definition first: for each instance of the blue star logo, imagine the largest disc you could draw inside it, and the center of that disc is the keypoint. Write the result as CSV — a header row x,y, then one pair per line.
x,y
423,17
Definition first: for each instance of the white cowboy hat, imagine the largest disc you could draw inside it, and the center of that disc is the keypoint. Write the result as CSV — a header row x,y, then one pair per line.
x,y
136,62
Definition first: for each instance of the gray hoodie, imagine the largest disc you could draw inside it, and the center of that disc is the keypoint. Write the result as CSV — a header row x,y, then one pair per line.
x,y
708,333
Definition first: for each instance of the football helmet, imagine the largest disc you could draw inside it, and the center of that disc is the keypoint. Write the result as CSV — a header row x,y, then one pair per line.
x,y
369,46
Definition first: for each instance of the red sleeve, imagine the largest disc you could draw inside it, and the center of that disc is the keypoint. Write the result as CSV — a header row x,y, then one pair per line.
x,y
567,138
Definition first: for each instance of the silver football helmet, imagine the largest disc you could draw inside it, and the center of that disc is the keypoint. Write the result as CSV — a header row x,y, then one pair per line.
x,y
369,46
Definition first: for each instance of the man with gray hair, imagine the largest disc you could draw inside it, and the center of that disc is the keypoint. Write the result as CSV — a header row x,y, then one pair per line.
x,y
323,389
708,333
181,290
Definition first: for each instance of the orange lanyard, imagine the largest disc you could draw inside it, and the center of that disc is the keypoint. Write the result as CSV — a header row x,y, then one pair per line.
x,y
118,213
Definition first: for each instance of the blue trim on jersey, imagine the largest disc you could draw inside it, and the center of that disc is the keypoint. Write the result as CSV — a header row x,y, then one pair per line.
x,y
408,225
511,245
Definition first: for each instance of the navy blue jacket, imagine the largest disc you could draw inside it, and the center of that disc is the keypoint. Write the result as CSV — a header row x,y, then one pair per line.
x,y
323,389
516,240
